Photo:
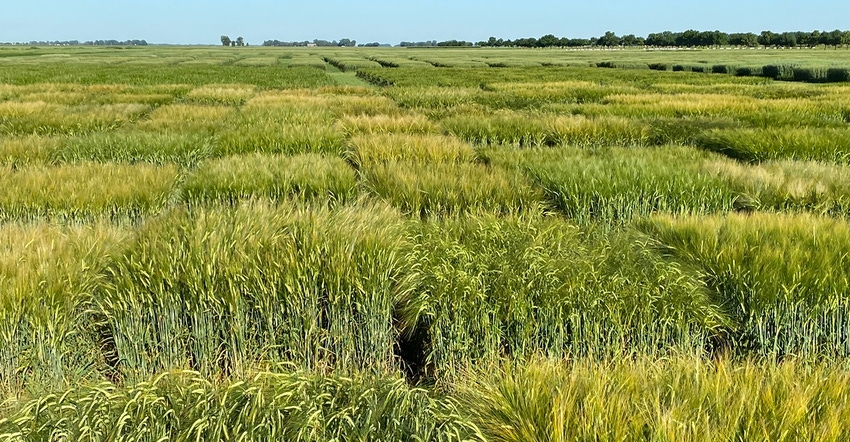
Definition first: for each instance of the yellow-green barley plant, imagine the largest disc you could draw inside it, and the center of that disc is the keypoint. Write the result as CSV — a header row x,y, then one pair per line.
x,y
47,274
185,149
20,151
414,149
84,191
782,278
682,398
40,118
223,289
307,176
446,188
183,405
387,124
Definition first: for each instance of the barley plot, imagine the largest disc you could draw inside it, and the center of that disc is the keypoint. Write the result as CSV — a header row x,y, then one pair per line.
x,y
478,244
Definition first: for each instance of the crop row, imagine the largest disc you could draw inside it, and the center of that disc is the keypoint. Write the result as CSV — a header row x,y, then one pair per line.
x,y
224,289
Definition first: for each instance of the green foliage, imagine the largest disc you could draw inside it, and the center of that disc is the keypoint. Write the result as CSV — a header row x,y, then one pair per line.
x,y
185,406
306,176
221,290
548,244
517,286
85,190
620,184
445,188
137,147
782,278
675,399
816,144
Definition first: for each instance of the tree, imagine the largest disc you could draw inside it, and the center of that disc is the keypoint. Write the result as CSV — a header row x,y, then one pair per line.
x,y
745,39
609,39
547,41
665,38
240,41
767,38
225,40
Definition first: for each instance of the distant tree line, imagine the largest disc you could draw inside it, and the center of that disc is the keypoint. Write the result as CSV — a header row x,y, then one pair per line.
x,y
226,41
689,38
413,44
374,44
86,43
340,43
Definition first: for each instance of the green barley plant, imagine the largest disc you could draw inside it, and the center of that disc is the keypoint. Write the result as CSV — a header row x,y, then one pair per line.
x,y
500,128
133,146
223,289
619,184
815,144
289,123
47,274
516,286
85,190
270,136
298,406
308,176
782,278
675,399
446,188
367,150
526,130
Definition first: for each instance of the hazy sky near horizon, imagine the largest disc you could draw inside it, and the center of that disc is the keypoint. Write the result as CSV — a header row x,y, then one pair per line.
x,y
203,22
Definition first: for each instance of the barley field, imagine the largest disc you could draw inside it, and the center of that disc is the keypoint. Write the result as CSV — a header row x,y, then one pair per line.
x,y
375,244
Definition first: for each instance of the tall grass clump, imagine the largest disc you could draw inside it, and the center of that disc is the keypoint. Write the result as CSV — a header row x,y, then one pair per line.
x,y
802,143
221,94
501,128
790,185
387,124
525,130
619,184
188,118
184,149
597,132
257,175
85,190
675,399
513,287
27,150
281,124
445,188
782,279
357,102
40,118
222,289
265,406
415,149
516,95
47,273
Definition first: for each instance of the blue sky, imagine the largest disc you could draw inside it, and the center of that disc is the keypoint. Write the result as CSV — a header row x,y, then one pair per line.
x,y
202,22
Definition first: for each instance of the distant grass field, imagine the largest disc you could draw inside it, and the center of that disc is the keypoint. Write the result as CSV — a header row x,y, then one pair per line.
x,y
328,244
